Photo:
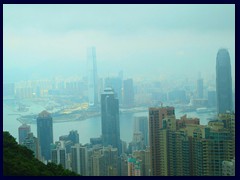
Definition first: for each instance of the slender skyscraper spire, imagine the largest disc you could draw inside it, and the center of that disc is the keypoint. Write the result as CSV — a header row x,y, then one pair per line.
x,y
223,81
92,77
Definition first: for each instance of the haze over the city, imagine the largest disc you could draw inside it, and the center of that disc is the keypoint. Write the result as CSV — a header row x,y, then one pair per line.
x,y
146,41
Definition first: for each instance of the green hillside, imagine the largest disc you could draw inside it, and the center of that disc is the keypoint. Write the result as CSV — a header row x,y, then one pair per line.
x,y
20,161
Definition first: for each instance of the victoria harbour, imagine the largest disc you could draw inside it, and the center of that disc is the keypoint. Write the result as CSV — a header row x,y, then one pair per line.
x,y
11,123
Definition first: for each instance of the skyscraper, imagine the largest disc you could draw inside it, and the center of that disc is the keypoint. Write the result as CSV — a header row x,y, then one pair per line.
x,y
59,155
23,131
223,81
92,77
45,133
116,84
79,159
156,116
110,119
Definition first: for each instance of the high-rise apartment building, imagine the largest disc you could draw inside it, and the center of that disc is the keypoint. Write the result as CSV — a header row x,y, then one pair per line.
x,y
110,119
92,77
110,157
45,133
98,166
23,131
210,148
80,159
59,155
143,157
156,116
223,82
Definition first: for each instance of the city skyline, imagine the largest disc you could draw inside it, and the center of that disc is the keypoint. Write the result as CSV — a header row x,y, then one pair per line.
x,y
121,90
156,35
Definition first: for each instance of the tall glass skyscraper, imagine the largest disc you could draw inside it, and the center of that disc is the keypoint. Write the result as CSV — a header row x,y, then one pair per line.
x,y
110,119
92,77
223,81
45,133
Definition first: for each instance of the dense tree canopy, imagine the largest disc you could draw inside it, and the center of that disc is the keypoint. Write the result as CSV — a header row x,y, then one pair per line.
x,y
20,161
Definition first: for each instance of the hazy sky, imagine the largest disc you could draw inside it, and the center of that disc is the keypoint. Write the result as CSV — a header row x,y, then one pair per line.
x,y
142,40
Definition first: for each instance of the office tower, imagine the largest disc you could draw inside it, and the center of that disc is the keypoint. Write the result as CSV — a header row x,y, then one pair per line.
x,y
92,77
110,119
141,125
80,159
32,143
45,133
116,84
128,93
59,155
23,131
156,116
200,88
223,81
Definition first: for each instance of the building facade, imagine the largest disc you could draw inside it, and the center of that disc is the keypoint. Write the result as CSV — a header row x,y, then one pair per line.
x,y
45,133
92,76
223,82
80,159
59,155
110,119
156,116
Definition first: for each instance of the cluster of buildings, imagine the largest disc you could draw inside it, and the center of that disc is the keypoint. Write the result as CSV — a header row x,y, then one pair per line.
x,y
161,146
185,148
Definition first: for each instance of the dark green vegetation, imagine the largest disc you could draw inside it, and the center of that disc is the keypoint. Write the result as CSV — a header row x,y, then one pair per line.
x,y
20,161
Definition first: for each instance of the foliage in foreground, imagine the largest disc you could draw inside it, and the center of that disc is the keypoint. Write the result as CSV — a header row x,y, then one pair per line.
x,y
20,161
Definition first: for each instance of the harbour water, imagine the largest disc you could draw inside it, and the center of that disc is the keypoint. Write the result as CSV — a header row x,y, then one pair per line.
x,y
86,128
